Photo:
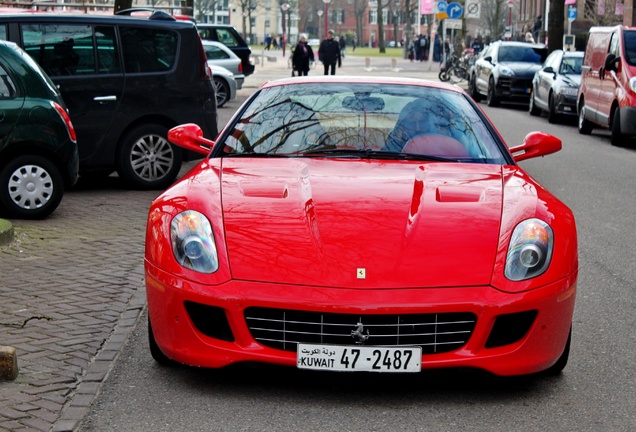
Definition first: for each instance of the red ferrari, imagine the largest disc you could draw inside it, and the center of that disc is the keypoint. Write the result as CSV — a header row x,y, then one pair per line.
x,y
361,224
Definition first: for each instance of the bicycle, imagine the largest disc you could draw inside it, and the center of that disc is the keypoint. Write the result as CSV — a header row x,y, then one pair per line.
x,y
455,71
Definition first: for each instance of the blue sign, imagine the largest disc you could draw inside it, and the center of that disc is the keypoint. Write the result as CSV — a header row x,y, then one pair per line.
x,y
441,6
571,12
454,10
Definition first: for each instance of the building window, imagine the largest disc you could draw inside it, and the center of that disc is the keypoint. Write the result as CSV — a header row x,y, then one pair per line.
x,y
373,16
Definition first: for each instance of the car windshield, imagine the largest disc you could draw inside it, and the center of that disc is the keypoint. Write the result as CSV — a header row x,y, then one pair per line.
x,y
571,65
630,47
361,121
524,54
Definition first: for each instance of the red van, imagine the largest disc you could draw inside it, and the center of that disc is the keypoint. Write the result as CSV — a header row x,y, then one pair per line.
x,y
607,94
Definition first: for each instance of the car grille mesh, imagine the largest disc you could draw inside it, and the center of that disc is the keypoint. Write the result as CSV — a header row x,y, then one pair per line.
x,y
285,329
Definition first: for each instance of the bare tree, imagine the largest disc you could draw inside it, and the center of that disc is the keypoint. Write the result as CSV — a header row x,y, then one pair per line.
x,y
206,7
603,12
493,17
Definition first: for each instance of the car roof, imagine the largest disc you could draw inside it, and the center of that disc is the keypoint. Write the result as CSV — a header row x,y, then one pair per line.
x,y
81,18
519,43
345,79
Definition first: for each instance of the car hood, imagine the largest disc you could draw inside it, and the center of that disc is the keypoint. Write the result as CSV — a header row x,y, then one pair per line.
x,y
521,68
571,80
361,224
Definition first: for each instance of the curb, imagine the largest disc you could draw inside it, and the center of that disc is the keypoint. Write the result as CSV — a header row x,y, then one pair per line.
x,y
6,232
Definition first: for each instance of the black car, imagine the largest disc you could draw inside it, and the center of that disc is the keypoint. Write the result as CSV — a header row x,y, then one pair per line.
x,y
231,38
126,81
556,84
38,151
504,71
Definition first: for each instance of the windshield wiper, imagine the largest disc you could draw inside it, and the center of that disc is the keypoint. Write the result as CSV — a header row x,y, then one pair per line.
x,y
374,154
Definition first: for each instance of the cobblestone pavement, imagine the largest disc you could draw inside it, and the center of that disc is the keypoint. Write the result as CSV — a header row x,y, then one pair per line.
x,y
71,286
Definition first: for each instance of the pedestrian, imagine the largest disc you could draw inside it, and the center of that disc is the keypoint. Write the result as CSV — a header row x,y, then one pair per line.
x,y
268,41
343,46
529,38
353,44
303,55
329,54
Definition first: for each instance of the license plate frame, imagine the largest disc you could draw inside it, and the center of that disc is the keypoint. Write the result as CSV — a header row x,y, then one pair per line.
x,y
359,358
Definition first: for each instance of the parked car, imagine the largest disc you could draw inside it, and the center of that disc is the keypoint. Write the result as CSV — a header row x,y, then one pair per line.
x,y
224,85
556,84
361,224
38,148
313,42
220,55
504,72
126,81
607,95
231,38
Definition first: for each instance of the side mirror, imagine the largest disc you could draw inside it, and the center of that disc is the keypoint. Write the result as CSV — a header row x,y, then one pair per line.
x,y
550,69
536,144
611,62
488,59
190,137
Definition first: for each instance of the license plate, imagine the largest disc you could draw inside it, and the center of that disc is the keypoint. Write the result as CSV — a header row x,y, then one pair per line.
x,y
359,358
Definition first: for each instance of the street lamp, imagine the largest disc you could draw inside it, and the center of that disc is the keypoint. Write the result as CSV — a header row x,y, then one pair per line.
x,y
511,4
285,7
326,2
320,12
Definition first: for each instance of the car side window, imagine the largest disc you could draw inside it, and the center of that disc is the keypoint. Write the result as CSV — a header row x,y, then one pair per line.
x,y
148,50
215,53
226,38
7,87
3,32
69,49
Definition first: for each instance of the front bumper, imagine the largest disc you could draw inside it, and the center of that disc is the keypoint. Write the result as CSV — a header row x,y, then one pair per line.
x,y
184,341
513,89
565,104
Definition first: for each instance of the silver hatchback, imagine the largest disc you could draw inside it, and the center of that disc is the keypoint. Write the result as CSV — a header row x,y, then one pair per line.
x,y
220,55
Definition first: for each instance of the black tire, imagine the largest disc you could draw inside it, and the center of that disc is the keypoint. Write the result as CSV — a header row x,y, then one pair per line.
x,y
560,364
553,117
457,74
474,93
31,187
618,139
443,76
222,91
146,160
585,126
156,352
491,99
533,109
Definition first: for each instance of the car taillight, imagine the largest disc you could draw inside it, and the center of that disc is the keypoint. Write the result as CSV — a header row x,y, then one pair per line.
x,y
240,67
205,72
67,121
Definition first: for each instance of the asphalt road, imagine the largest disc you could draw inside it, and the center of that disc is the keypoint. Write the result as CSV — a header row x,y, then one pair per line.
x,y
596,392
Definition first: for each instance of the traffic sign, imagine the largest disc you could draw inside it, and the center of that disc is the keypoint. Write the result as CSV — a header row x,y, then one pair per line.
x,y
454,10
472,9
442,6
571,12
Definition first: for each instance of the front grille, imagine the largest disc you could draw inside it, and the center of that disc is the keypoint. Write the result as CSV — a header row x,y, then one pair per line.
x,y
285,329
515,85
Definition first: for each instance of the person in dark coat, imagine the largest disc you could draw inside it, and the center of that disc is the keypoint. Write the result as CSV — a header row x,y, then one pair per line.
x,y
329,53
303,55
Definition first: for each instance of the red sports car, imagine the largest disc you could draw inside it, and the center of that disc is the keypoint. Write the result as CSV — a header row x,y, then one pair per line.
x,y
361,224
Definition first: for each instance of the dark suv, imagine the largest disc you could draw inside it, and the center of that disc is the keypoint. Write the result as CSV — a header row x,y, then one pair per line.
x,y
38,152
503,72
126,81
231,38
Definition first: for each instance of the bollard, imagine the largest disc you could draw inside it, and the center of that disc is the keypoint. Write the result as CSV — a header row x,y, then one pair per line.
x,y
367,62
8,363
393,63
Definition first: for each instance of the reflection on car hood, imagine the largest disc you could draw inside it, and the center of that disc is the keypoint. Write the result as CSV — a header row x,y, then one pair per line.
x,y
361,224
571,80
522,69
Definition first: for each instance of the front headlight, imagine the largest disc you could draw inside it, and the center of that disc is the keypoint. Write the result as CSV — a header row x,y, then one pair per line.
x,y
569,91
504,71
193,243
632,84
530,250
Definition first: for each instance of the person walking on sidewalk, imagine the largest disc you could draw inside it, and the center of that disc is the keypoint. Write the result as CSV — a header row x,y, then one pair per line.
x,y
302,56
329,54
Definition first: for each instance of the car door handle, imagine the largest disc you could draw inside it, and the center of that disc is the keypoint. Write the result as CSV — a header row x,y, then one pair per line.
x,y
105,98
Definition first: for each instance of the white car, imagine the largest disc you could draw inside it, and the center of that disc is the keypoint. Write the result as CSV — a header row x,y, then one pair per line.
x,y
220,55
224,84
